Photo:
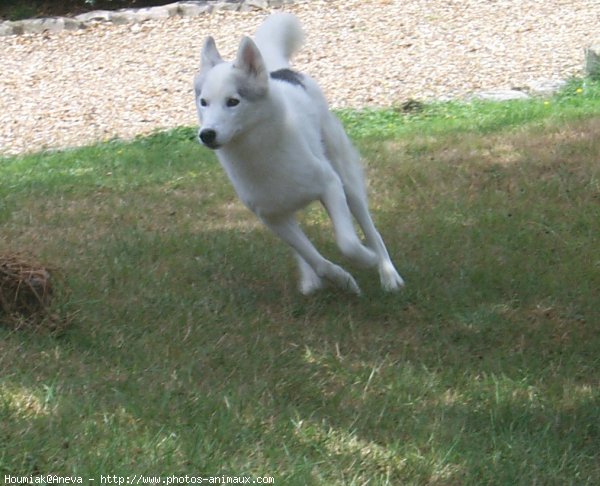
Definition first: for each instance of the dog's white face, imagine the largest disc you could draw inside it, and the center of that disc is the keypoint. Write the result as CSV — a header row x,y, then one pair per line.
x,y
228,95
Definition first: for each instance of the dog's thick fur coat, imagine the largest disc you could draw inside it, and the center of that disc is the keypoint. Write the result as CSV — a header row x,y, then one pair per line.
x,y
282,149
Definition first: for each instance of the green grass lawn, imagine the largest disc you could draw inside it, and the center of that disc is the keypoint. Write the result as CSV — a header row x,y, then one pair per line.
x,y
191,352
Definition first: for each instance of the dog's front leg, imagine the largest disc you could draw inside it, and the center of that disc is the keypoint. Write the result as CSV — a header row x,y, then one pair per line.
x,y
288,230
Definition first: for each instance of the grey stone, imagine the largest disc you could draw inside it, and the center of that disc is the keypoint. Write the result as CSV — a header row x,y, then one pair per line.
x,y
192,9
256,4
172,8
96,15
154,13
19,27
7,28
224,5
545,87
501,95
53,24
73,24
122,17
592,61
36,26
28,26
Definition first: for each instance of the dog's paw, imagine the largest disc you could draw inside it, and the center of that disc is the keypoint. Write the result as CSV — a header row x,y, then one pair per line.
x,y
391,281
342,279
351,286
310,284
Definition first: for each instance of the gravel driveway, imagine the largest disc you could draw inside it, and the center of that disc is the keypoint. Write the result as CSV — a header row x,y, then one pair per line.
x,y
76,87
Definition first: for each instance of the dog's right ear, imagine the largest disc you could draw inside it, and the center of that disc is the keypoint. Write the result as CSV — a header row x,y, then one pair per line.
x,y
210,56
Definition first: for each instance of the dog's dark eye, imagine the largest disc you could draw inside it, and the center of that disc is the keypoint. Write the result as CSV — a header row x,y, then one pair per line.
x,y
231,102
203,102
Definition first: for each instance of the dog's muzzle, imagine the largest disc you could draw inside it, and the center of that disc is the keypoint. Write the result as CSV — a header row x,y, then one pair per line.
x,y
208,137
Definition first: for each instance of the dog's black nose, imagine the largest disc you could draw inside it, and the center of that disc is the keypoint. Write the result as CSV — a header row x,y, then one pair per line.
x,y
208,136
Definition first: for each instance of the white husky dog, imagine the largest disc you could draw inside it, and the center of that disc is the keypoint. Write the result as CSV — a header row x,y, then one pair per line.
x,y
282,149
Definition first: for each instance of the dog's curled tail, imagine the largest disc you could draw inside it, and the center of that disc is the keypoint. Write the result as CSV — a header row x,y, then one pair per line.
x,y
278,38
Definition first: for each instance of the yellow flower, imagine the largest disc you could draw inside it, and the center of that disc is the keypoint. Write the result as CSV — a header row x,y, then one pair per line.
x,y
579,90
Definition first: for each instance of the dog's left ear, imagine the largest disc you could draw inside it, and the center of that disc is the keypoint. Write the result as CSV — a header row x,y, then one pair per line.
x,y
252,78
250,61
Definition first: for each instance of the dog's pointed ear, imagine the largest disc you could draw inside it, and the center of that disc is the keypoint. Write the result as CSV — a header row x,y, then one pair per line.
x,y
250,60
252,78
210,56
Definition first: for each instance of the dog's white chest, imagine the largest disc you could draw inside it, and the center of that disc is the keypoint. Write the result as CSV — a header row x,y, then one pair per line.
x,y
274,184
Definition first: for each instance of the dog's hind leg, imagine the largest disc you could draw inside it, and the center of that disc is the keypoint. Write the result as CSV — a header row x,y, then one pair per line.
x,y
348,241
346,161
288,230
357,201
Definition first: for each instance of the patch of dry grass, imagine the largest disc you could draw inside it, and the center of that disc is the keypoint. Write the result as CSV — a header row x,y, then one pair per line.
x,y
27,290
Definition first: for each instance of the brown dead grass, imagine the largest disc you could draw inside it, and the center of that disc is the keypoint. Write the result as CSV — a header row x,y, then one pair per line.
x,y
27,290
